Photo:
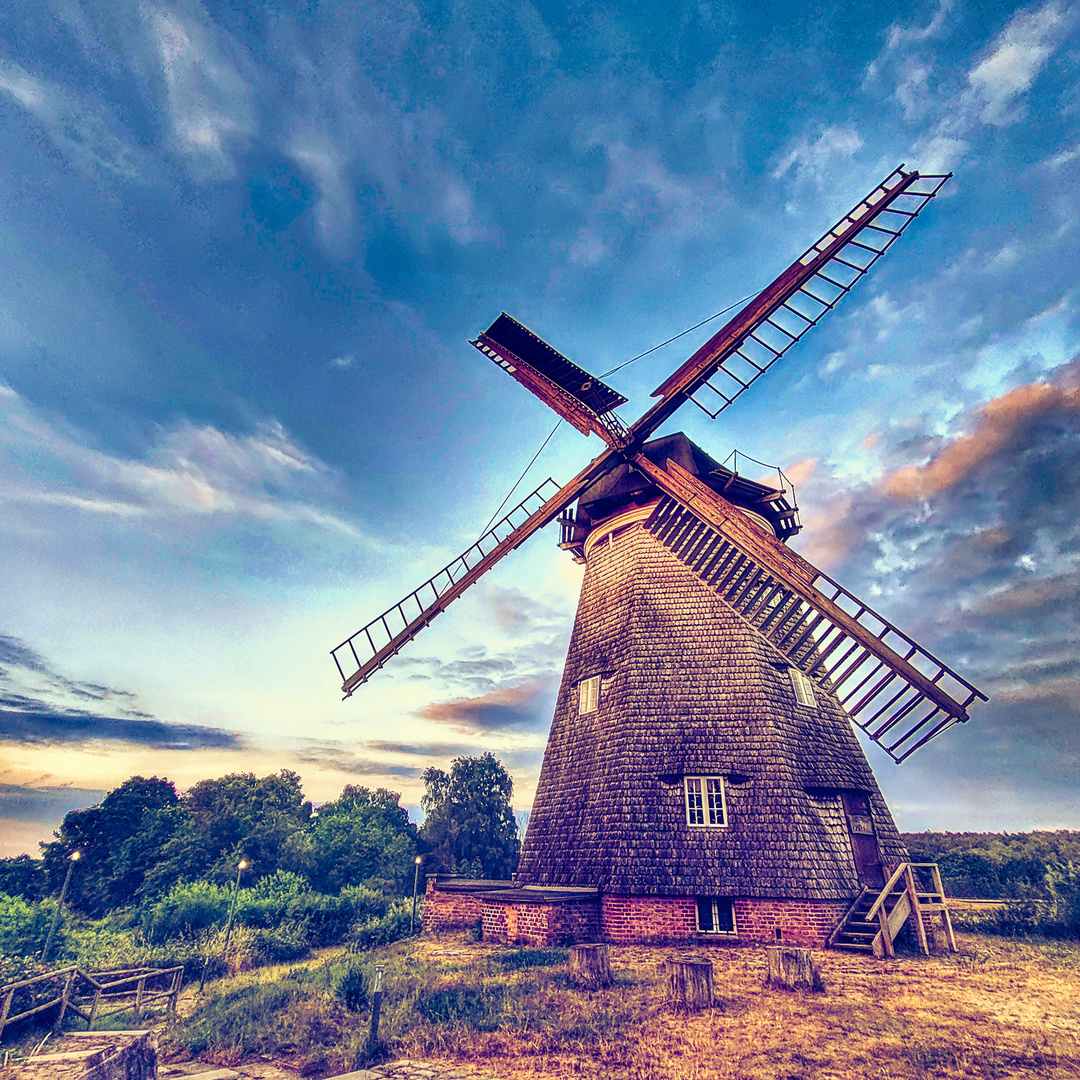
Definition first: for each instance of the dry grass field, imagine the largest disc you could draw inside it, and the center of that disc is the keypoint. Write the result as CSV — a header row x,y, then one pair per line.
x,y
998,1009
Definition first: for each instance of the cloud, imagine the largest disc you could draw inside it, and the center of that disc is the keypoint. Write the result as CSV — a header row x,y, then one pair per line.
x,y
813,159
520,707
1001,424
331,754
43,804
86,136
209,103
40,706
1018,55
189,471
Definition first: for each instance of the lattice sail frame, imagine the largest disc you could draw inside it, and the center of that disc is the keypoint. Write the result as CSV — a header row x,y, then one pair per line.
x,y
824,630
883,678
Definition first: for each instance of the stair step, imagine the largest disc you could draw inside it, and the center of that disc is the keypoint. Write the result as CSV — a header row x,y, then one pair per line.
x,y
845,947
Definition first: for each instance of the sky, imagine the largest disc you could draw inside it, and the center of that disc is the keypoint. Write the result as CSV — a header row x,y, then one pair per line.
x,y
242,251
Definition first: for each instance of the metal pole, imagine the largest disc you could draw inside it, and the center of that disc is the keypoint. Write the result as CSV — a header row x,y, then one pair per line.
x,y
376,1005
241,867
73,858
415,882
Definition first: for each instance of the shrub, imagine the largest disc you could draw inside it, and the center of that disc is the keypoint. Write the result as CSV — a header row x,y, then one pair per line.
x,y
393,926
188,908
24,927
282,944
349,983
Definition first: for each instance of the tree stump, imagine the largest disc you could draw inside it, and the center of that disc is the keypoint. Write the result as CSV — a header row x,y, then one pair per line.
x,y
793,969
689,984
590,968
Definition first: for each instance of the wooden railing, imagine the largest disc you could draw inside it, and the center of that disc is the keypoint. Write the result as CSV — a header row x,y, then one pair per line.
x,y
911,902
95,995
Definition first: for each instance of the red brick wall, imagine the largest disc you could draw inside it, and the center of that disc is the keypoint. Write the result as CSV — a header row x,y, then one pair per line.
x,y
450,910
800,922
644,918
541,924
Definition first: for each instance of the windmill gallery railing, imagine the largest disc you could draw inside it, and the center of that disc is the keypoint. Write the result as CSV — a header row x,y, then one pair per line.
x,y
90,995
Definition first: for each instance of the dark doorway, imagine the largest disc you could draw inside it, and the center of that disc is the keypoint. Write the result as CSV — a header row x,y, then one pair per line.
x,y
863,839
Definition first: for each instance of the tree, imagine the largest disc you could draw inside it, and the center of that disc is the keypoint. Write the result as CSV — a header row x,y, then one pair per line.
x,y
470,826
360,838
113,860
23,876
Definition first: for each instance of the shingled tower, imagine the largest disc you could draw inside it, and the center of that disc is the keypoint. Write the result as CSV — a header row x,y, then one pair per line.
x,y
688,776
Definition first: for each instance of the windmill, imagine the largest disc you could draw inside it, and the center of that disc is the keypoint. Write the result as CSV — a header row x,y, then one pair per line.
x,y
712,670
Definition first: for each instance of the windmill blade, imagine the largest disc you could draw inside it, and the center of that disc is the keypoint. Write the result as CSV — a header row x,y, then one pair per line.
x,y
739,354
578,397
363,653
891,687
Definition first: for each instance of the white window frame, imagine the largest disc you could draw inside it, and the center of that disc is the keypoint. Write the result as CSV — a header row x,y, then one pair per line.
x,y
803,687
733,932
703,796
589,695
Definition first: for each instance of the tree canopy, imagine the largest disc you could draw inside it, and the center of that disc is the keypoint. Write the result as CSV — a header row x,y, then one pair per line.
x,y
470,827
143,839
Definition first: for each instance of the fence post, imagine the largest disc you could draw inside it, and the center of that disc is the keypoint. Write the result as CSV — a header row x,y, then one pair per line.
x,y
139,986
174,997
65,995
6,1008
94,1008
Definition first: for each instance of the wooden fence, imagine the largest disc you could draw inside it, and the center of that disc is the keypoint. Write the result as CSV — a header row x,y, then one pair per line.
x,y
94,995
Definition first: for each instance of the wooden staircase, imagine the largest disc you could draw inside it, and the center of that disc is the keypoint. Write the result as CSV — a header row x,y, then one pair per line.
x,y
874,919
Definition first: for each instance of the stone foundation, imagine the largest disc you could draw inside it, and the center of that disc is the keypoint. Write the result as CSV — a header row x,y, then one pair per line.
x,y
551,917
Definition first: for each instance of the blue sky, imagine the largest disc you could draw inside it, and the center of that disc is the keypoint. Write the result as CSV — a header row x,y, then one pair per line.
x,y
242,251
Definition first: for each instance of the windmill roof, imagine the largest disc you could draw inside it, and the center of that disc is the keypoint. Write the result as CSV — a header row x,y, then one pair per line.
x,y
688,688
624,484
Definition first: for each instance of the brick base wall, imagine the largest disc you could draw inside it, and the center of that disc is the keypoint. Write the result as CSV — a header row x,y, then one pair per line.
x,y
624,919
651,918
541,924
450,910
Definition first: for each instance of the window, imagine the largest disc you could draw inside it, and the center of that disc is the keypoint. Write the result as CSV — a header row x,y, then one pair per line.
x,y
803,687
715,915
705,801
589,695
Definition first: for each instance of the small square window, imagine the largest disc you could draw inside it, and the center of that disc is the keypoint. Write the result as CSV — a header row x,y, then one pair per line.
x,y
803,687
705,801
589,695
715,915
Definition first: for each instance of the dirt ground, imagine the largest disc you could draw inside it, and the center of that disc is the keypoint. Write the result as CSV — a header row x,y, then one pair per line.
x,y
998,1009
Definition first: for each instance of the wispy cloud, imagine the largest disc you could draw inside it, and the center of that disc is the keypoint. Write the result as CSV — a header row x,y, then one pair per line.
x,y
510,708
188,472
39,705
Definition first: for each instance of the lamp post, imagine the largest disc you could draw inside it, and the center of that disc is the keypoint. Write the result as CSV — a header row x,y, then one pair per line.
x,y
241,866
73,858
415,882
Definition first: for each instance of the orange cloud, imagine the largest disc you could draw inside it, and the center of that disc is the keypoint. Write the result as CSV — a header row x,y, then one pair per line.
x,y
1000,422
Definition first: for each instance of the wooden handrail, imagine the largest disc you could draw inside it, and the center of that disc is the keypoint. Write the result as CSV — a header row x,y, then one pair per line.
x,y
897,874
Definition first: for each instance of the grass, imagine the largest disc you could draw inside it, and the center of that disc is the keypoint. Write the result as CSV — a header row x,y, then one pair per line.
x,y
998,1010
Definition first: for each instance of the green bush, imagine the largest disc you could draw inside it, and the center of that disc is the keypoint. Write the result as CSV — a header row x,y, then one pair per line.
x,y
349,983
393,926
188,908
283,943
24,927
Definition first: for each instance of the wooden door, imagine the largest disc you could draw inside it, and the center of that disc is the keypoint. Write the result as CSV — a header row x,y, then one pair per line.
x,y
864,843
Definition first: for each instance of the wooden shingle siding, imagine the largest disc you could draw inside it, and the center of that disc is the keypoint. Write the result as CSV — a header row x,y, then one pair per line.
x,y
689,688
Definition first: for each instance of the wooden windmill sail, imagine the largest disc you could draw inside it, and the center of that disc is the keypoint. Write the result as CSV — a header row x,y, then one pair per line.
x,y
893,689
701,775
